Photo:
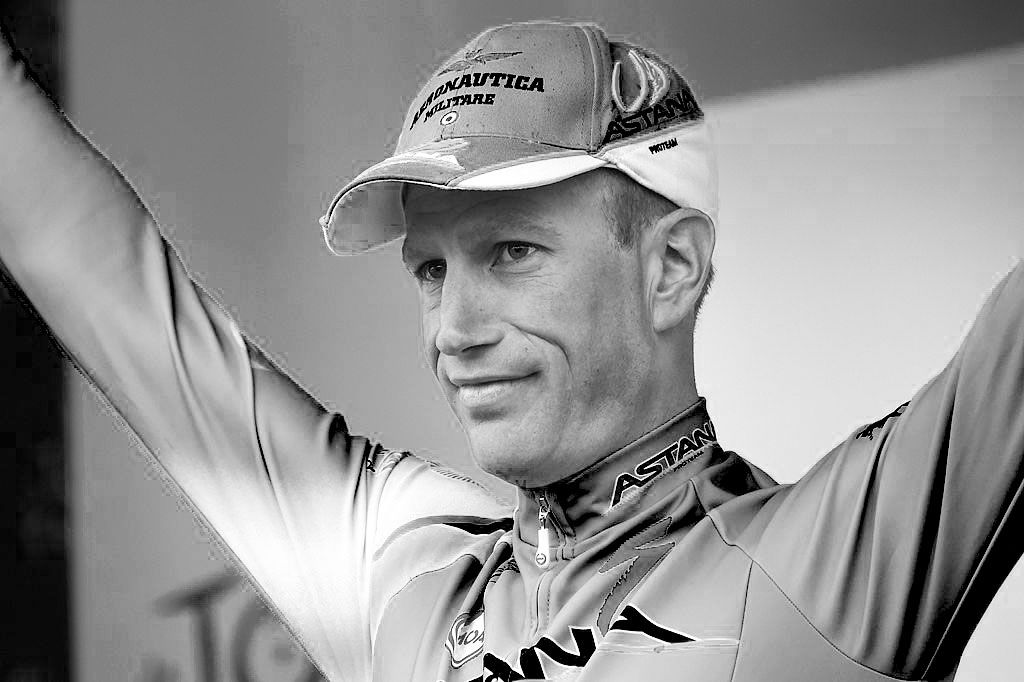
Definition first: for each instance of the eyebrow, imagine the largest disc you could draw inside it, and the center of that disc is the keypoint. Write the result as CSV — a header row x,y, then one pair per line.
x,y
521,221
518,220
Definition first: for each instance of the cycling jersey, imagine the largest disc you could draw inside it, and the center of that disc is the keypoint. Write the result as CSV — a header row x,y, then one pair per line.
x,y
669,559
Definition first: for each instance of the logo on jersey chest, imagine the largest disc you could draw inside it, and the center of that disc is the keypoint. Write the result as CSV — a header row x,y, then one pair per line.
x,y
547,657
638,555
466,638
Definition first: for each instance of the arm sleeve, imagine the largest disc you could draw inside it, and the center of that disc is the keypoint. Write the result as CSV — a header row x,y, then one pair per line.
x,y
300,502
893,545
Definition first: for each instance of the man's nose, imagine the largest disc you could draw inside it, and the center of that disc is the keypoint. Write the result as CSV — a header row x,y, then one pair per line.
x,y
466,317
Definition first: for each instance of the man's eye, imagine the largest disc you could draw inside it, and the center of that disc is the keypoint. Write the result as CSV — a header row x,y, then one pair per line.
x,y
431,271
515,251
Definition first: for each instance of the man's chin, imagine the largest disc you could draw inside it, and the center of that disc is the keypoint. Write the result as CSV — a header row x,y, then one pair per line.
x,y
516,461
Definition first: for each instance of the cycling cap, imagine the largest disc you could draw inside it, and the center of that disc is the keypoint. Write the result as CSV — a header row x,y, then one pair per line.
x,y
526,105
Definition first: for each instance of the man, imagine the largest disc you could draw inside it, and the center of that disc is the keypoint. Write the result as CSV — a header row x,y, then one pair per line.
x,y
557,200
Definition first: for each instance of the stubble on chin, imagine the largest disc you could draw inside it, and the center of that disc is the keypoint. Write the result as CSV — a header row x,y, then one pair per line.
x,y
508,459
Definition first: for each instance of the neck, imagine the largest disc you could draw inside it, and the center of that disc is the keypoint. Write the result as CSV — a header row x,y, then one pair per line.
x,y
673,387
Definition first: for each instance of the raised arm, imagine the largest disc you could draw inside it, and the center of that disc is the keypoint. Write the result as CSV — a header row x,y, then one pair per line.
x,y
894,544
300,502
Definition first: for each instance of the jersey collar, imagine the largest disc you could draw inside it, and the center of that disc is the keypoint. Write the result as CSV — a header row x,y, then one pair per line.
x,y
621,485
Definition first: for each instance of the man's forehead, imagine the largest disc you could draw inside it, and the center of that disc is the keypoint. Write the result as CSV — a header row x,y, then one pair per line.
x,y
424,198
432,207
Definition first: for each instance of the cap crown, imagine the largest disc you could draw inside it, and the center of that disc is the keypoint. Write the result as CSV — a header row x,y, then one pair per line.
x,y
552,83
527,105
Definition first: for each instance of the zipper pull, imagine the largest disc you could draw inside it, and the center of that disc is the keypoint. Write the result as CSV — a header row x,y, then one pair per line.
x,y
543,533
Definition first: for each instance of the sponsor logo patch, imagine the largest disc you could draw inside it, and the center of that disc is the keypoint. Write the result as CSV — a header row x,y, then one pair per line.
x,y
651,76
435,101
557,658
662,146
677,108
659,102
475,58
683,451
466,638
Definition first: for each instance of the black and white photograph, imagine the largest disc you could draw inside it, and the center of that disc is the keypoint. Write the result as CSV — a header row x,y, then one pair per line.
x,y
452,341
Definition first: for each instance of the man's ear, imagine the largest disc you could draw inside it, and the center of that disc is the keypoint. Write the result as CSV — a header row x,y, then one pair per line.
x,y
677,252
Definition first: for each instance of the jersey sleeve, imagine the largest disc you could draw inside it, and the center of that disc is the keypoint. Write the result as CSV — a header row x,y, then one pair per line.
x,y
893,544
300,502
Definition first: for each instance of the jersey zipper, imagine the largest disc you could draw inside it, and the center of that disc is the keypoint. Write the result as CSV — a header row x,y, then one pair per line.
x,y
545,555
549,543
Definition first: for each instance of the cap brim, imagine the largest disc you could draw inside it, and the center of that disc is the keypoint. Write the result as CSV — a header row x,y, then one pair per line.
x,y
368,212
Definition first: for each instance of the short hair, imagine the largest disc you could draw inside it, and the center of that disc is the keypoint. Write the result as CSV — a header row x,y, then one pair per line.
x,y
630,208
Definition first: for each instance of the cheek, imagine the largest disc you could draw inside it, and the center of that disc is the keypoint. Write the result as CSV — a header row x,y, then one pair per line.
x,y
608,339
428,335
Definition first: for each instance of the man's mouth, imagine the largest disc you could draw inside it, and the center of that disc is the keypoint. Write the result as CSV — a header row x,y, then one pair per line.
x,y
485,391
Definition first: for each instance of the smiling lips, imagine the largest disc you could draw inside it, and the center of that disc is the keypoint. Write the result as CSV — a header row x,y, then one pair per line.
x,y
484,391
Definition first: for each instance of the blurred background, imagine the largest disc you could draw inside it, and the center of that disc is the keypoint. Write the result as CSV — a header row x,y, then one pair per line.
x,y
872,159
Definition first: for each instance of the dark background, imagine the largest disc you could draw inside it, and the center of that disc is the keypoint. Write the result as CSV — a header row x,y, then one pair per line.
x,y
34,643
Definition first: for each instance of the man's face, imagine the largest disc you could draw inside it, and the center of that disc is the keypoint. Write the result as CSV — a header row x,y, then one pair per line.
x,y
535,323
